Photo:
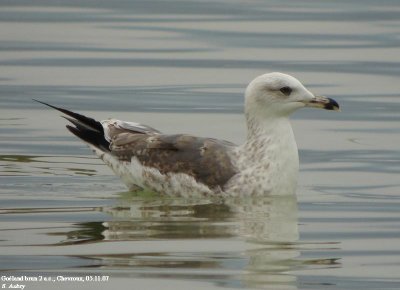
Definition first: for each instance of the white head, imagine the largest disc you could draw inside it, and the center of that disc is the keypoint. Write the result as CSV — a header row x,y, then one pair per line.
x,y
278,95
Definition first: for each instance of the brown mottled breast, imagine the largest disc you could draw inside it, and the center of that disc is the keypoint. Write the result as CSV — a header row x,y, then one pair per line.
x,y
206,159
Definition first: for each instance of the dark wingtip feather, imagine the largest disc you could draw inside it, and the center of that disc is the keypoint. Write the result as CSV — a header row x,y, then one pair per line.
x,y
90,137
46,104
92,123
87,129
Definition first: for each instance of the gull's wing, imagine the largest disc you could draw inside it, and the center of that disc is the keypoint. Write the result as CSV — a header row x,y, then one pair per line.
x,y
207,160
113,127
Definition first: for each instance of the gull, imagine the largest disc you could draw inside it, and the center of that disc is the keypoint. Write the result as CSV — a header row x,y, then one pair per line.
x,y
185,165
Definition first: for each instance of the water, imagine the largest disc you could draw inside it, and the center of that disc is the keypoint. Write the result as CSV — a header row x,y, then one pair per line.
x,y
182,66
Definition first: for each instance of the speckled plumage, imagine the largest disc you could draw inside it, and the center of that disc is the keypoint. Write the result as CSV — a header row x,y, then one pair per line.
x,y
266,164
207,160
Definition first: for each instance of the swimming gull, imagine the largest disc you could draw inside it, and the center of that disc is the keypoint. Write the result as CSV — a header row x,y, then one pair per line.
x,y
185,165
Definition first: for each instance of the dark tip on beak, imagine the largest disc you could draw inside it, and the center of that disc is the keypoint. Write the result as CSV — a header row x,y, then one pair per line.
x,y
323,103
332,105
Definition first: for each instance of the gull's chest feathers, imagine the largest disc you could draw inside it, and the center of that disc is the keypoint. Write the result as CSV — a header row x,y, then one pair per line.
x,y
268,163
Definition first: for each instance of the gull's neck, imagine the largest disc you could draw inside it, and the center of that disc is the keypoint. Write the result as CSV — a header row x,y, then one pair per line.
x,y
271,150
269,132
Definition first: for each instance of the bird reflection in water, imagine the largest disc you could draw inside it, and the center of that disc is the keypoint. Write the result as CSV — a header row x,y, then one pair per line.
x,y
251,239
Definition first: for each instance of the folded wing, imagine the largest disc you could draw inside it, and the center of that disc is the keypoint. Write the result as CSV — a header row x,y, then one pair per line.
x,y
207,160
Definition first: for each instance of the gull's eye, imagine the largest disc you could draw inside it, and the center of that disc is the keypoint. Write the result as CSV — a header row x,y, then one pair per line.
x,y
286,91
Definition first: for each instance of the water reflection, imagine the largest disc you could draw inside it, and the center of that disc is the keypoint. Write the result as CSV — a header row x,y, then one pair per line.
x,y
250,241
19,165
262,220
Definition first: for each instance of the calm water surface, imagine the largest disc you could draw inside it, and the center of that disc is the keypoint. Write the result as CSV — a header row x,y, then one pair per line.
x,y
182,66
